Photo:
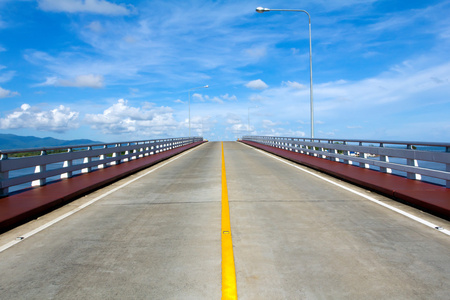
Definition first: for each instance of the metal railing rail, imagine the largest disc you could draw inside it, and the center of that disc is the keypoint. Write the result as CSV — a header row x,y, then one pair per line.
x,y
411,158
66,161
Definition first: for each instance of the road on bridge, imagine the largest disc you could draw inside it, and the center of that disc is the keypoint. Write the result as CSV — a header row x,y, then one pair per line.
x,y
157,235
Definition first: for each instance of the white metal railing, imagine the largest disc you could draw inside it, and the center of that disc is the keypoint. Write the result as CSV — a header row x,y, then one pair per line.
x,y
414,160
53,163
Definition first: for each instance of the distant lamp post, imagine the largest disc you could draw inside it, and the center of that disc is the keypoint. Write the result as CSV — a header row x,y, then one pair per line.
x,y
189,93
261,10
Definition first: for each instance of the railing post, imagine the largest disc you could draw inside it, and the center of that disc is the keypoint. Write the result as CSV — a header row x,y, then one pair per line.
x,y
324,156
40,169
126,153
313,149
302,146
4,176
86,160
363,155
67,164
102,157
447,168
333,151
347,154
414,163
116,155
384,158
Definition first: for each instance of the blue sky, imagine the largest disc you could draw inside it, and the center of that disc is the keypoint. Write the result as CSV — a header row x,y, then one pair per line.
x,y
121,70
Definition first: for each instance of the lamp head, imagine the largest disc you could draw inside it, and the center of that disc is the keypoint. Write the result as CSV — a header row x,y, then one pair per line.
x,y
262,9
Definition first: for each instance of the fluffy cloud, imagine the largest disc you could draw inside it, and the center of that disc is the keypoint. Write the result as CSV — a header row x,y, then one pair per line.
x,y
121,118
58,120
84,6
200,125
7,93
257,84
268,123
294,85
89,80
95,26
238,128
228,97
5,75
256,52
368,107
215,99
233,119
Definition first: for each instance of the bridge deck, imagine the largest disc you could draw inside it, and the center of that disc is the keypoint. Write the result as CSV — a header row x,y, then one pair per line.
x,y
156,235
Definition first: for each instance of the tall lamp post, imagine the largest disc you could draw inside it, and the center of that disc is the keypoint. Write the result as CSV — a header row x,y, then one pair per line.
x,y
189,93
261,10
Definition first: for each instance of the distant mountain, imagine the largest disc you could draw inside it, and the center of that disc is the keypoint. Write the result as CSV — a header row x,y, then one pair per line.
x,y
11,141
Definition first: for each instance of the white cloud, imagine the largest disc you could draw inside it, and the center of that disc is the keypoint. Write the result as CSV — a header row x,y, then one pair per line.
x,y
256,52
121,118
238,128
89,80
215,99
84,6
233,119
228,97
7,93
95,26
59,119
256,98
294,85
200,125
268,123
199,97
257,84
410,91
6,76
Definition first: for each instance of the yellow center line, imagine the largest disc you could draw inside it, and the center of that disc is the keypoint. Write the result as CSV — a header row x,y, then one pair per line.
x,y
229,290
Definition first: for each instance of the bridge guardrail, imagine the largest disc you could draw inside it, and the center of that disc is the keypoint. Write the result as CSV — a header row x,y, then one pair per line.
x,y
54,163
414,160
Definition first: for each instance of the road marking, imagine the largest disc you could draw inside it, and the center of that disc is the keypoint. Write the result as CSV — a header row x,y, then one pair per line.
x,y
404,213
229,290
62,217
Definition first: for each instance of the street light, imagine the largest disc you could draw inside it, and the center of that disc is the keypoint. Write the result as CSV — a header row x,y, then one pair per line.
x,y
200,87
261,10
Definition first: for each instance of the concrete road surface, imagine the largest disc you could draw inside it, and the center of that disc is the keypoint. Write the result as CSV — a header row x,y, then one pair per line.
x,y
295,236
